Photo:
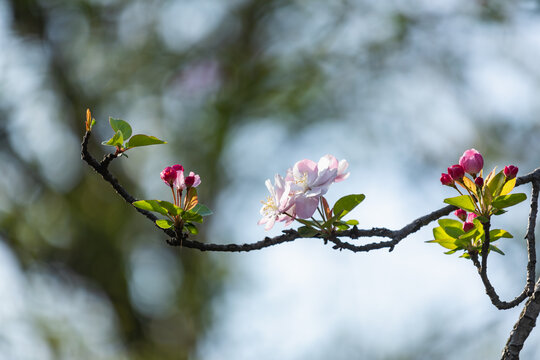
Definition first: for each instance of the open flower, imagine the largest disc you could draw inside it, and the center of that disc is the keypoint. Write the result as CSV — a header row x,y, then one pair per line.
x,y
309,181
279,205
341,166
472,162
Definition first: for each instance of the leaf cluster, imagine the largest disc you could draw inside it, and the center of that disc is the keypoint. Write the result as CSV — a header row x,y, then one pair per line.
x,y
123,140
332,218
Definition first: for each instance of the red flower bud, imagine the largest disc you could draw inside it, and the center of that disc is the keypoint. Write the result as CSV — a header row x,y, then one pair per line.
x,y
168,175
472,162
479,181
461,214
510,172
447,180
178,167
468,226
456,172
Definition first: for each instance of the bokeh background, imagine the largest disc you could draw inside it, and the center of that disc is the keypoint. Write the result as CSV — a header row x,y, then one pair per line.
x,y
241,90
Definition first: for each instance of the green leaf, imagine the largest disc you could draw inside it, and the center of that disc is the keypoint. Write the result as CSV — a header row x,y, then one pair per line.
x,y
508,186
440,234
191,228
473,233
116,140
449,244
452,227
344,205
121,125
202,210
150,205
171,208
508,200
143,140
496,249
499,212
192,216
352,222
307,231
496,183
341,226
499,233
464,202
164,223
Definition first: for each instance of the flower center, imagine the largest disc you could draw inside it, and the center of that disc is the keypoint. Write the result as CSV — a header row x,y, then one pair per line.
x,y
269,206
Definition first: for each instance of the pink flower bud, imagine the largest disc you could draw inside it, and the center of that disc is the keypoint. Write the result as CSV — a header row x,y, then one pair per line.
x,y
471,217
468,226
178,167
510,172
456,172
193,180
472,162
447,180
461,214
479,181
168,175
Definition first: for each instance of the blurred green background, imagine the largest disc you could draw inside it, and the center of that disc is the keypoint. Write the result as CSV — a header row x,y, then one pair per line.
x,y
240,89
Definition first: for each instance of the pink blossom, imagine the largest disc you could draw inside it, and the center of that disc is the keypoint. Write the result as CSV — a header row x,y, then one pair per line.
x,y
510,172
341,166
461,214
468,226
278,203
192,180
472,161
471,217
168,175
309,181
456,172
447,180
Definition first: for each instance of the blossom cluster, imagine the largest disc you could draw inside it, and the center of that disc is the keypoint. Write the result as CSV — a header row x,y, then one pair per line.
x,y
298,195
174,177
467,219
472,162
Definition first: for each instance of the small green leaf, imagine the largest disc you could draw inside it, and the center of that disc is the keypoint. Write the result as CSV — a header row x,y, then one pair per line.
x,y
465,256
473,233
307,231
172,209
164,223
344,205
352,222
508,186
496,249
202,210
464,202
508,200
116,140
482,219
449,244
150,205
121,125
341,226
452,227
440,234
191,228
499,212
496,234
143,140
496,183
192,216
